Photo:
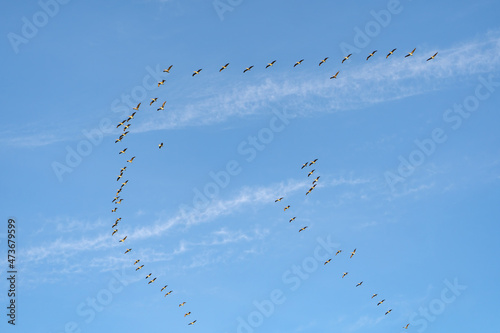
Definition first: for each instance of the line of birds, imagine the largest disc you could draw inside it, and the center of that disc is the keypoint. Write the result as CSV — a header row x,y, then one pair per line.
x,y
270,64
117,200
315,182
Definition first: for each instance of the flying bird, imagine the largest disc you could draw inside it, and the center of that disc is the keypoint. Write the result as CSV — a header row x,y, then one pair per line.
x,y
313,162
316,180
389,311
334,76
326,262
137,107
310,173
161,82
168,293
270,64
247,69
182,304
153,100
302,229
293,218
374,295
152,281
160,145
187,313
123,239
286,207
304,165
119,202
345,274
114,210
387,56
279,199
298,63
137,261
162,107
125,183
123,122
132,115
148,276
130,161
192,323
138,268
435,54
168,69
352,253
114,232
406,327
197,72
119,176
382,301
122,151
347,57
323,61
371,55
359,284
410,54
223,67
338,252
164,287
128,250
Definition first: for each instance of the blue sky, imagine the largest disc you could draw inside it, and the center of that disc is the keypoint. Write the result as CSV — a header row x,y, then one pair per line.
x,y
407,149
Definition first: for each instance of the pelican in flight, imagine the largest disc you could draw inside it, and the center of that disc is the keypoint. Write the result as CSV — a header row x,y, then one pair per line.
x,y
338,252
182,304
247,69
326,262
162,107
298,63
192,323
334,76
352,253
270,64
382,301
359,284
302,229
323,61
310,173
411,53
279,199
347,57
138,268
197,72
128,250
371,55
137,107
223,67
123,239
161,82
286,207
345,274
168,69
137,261
389,311
435,54
153,100
387,56
160,145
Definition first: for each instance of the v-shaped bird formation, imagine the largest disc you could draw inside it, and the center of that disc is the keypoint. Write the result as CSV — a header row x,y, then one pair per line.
x,y
126,124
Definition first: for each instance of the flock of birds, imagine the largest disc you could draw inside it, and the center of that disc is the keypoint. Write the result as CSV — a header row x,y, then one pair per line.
x,y
125,124
118,200
334,76
344,274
